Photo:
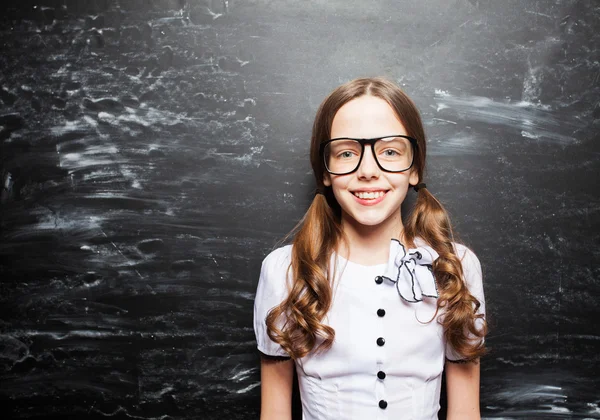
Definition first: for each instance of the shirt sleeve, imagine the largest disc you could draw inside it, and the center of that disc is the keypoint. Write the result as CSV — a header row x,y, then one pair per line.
x,y
474,280
272,290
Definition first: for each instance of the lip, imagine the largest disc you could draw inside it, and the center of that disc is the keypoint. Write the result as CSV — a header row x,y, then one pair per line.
x,y
372,202
369,189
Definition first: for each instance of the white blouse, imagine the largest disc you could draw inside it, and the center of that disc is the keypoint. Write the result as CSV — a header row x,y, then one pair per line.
x,y
387,359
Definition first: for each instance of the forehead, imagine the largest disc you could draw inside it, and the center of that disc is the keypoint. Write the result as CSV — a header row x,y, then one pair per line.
x,y
365,117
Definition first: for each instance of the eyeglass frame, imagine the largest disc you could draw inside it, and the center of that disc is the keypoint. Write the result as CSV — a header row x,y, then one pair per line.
x,y
371,142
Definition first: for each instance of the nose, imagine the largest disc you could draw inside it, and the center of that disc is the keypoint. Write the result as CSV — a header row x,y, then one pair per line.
x,y
368,167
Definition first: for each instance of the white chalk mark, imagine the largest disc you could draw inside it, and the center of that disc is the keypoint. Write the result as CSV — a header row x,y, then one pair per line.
x,y
533,120
436,42
123,255
444,121
248,388
538,14
243,374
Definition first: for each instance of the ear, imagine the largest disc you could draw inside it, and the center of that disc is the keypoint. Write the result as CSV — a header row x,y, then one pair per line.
x,y
327,179
413,178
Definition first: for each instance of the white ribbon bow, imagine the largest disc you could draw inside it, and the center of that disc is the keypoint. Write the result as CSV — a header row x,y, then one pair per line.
x,y
411,271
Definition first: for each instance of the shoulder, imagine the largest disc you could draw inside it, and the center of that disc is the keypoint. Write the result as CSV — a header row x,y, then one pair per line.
x,y
471,271
271,291
278,259
274,272
467,257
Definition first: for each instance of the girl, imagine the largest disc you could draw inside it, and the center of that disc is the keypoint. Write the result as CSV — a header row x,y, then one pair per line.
x,y
368,309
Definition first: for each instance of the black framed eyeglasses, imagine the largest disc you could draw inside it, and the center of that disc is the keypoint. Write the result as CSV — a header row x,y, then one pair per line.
x,y
393,153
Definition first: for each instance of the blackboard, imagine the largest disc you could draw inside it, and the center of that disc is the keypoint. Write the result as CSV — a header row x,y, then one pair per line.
x,y
153,152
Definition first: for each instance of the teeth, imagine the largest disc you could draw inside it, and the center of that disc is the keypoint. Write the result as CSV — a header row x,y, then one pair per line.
x,y
369,195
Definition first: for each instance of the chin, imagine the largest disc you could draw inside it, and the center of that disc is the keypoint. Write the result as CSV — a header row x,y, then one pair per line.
x,y
369,220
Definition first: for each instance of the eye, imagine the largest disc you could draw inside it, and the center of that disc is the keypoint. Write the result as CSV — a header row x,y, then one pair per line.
x,y
343,149
391,153
392,148
346,154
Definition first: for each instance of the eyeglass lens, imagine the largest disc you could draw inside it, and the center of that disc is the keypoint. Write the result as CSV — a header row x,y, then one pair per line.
x,y
394,154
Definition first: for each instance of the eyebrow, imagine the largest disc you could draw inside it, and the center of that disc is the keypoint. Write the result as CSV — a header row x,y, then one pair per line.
x,y
371,138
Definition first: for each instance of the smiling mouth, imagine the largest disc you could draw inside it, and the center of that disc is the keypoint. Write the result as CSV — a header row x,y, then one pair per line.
x,y
370,195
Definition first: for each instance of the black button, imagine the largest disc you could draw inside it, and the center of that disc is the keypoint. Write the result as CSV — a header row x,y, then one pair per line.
x,y
381,312
383,404
381,375
380,341
378,279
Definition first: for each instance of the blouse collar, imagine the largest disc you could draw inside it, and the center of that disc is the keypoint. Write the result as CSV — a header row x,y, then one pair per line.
x,y
411,270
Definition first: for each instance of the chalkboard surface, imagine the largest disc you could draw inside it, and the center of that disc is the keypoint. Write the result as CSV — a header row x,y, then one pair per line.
x,y
153,152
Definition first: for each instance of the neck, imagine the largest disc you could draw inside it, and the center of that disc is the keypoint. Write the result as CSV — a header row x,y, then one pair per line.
x,y
370,245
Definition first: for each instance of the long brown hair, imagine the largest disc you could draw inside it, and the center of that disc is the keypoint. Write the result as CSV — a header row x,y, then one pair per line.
x,y
297,323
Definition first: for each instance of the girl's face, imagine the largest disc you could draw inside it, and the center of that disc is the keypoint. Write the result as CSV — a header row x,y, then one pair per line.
x,y
368,117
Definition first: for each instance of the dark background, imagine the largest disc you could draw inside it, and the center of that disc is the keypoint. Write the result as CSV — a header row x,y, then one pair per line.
x,y
153,152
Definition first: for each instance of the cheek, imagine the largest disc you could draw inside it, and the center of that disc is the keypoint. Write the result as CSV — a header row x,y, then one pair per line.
x,y
401,180
339,185
339,182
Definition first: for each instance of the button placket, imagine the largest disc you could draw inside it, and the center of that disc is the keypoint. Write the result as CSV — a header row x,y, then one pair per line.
x,y
380,343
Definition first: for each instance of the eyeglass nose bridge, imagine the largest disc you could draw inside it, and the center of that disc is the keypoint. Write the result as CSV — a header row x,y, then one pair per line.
x,y
370,142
